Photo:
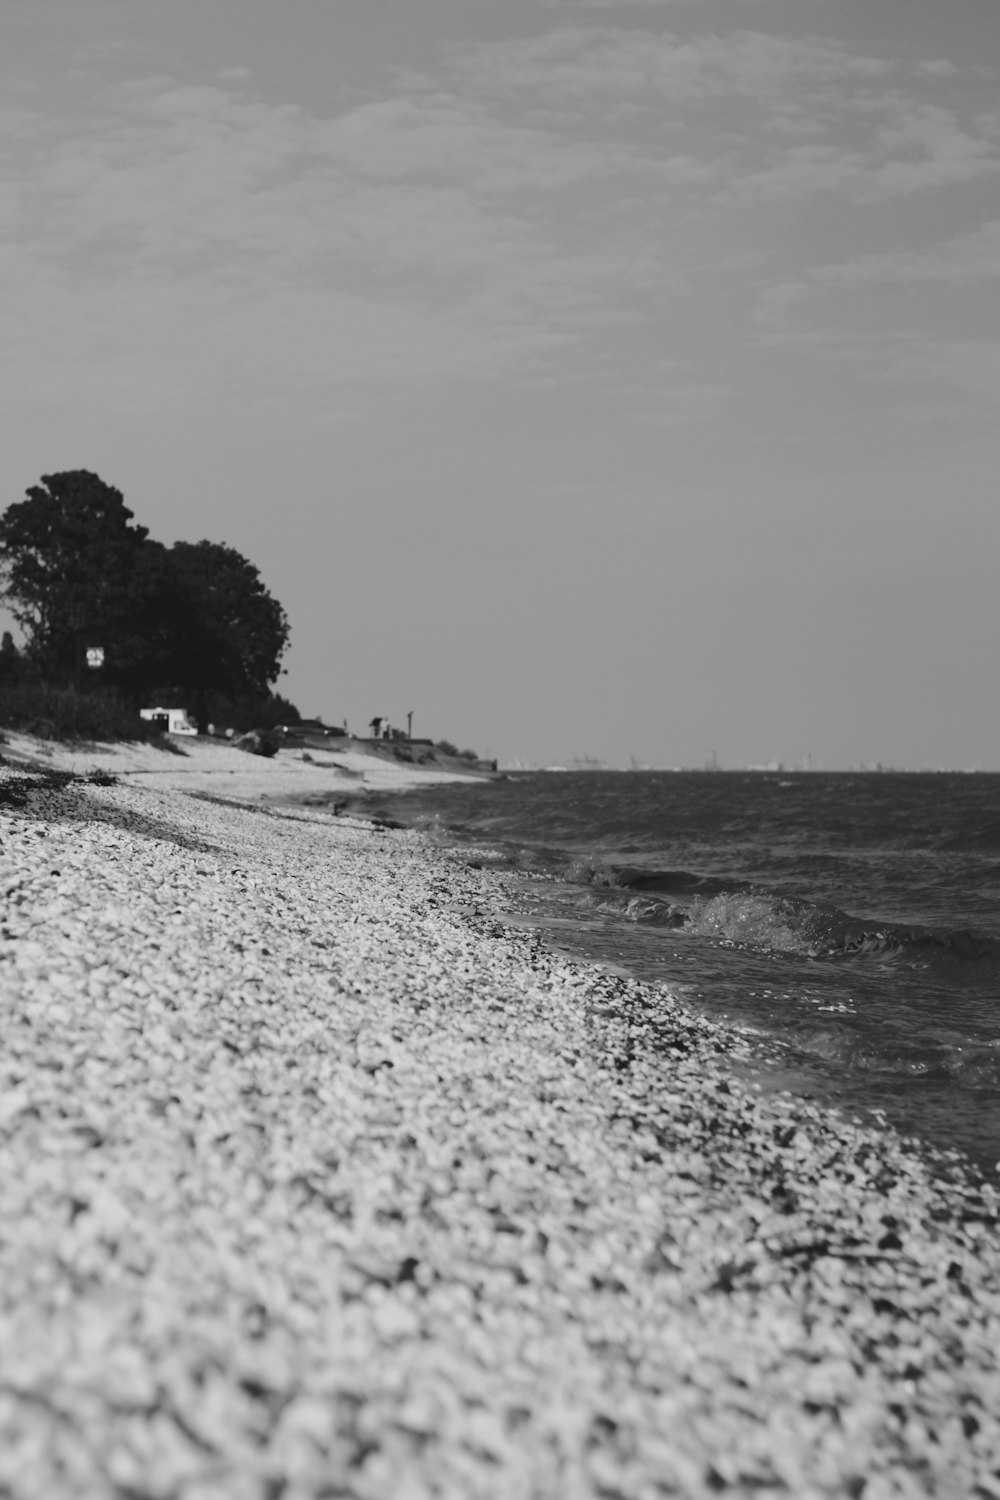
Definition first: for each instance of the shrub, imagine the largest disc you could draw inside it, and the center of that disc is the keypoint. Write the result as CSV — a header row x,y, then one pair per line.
x,y
251,711
258,742
61,714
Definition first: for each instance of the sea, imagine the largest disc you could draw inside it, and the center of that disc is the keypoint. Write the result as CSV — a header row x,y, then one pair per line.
x,y
848,923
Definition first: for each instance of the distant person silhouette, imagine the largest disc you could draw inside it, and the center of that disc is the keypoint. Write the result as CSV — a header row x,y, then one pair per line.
x,y
375,726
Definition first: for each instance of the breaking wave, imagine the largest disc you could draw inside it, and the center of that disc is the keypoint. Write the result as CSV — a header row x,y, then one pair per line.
x,y
751,918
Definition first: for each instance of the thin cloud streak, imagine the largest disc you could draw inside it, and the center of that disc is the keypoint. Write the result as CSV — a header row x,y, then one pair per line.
x,y
962,260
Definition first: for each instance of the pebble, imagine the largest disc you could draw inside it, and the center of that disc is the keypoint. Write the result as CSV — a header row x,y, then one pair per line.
x,y
318,1180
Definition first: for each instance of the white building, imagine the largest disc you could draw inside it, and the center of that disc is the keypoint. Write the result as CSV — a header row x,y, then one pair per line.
x,y
170,720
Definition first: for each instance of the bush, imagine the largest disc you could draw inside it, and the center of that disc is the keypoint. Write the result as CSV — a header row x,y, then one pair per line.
x,y
258,742
447,748
247,711
61,714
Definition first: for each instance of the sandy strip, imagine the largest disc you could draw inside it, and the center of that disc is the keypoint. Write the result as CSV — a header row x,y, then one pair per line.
x,y
317,1180
214,766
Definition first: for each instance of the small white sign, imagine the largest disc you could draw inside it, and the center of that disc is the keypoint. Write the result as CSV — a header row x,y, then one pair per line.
x,y
95,656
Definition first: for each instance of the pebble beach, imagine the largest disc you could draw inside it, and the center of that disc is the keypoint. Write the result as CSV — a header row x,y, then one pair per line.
x,y
320,1179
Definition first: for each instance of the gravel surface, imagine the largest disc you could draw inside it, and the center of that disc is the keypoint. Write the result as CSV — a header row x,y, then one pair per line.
x,y
318,1180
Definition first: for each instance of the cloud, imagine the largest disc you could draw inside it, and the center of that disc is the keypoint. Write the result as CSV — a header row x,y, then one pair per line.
x,y
968,366
937,68
522,209
409,239
784,116
964,260
590,63
944,153
860,315
961,260
916,149
896,356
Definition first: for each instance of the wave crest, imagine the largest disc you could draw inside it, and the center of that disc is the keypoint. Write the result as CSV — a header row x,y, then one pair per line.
x,y
752,921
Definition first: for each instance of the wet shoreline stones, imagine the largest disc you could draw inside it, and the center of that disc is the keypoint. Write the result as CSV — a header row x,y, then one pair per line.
x,y
316,1179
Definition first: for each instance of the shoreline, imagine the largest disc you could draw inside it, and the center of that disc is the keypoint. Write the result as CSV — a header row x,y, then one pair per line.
x,y
314,1171
595,922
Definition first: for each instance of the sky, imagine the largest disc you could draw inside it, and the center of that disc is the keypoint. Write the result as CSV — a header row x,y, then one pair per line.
x,y
610,378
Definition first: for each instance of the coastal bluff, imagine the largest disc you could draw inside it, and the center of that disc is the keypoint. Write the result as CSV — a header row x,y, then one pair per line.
x,y
317,1178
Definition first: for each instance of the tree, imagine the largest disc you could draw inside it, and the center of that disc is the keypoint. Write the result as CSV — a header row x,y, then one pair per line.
x,y
144,648
10,659
230,633
76,572
70,555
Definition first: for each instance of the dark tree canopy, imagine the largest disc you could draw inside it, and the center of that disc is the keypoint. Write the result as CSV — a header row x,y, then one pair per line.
x,y
234,633
69,553
76,572
143,649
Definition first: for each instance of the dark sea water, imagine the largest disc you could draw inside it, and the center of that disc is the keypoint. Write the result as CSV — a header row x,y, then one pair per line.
x,y
852,922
